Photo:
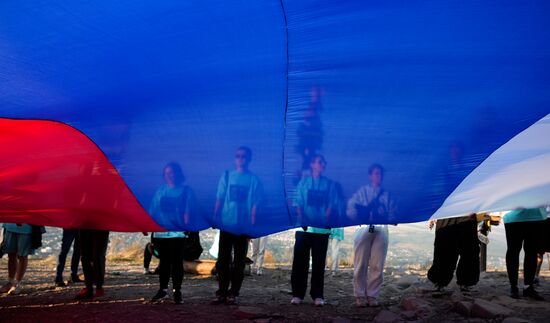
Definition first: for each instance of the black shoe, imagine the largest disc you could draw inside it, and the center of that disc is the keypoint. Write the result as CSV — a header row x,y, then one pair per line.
x,y
439,288
440,291
514,292
232,300
85,293
159,295
536,281
466,289
218,300
532,293
60,283
76,279
178,299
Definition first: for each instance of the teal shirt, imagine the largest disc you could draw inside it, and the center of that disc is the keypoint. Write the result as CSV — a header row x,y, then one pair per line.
x,y
525,215
170,204
317,230
167,235
314,197
239,192
337,233
21,229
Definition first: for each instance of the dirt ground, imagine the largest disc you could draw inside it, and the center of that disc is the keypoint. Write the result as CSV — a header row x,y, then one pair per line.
x,y
264,299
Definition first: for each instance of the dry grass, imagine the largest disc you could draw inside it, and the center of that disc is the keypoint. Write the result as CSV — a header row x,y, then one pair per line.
x,y
119,252
268,257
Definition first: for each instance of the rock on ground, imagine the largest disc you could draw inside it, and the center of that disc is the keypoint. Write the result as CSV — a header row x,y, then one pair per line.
x,y
386,316
488,310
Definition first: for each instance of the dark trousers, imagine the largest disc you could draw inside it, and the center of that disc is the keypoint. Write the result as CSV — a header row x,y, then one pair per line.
x,y
69,236
452,242
93,247
147,255
520,234
315,244
170,261
231,271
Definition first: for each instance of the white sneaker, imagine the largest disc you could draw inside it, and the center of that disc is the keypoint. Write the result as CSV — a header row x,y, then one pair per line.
x,y
319,302
296,301
260,272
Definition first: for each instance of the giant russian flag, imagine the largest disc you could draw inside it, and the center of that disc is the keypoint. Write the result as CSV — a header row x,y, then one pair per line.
x,y
451,97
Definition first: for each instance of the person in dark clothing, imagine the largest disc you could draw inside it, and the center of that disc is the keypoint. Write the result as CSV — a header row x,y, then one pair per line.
x,y
544,246
306,244
69,236
523,231
173,202
170,247
315,201
309,133
455,239
93,248
237,200
230,269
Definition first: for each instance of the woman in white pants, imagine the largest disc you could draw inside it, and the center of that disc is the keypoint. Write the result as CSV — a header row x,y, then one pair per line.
x,y
372,204
369,258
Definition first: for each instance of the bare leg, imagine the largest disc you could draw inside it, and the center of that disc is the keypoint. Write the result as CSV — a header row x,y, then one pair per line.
x,y
540,258
12,266
21,267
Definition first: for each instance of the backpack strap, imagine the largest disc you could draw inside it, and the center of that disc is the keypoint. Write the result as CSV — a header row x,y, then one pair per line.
x,y
226,178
